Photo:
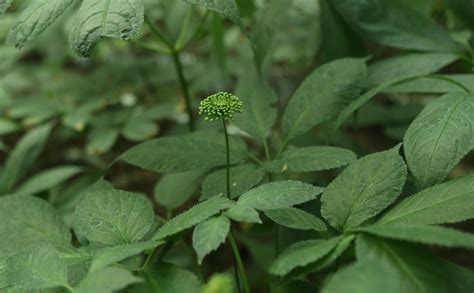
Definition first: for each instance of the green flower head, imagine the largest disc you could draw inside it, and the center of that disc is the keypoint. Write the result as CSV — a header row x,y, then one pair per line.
x,y
221,105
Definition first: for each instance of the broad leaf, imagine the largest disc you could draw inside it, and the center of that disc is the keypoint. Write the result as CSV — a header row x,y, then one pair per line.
x,y
107,280
242,178
185,153
241,213
36,18
390,23
110,18
29,220
279,194
36,267
227,8
47,179
23,156
302,254
307,159
170,191
439,138
364,189
436,235
113,217
449,202
296,219
325,92
209,235
195,215
169,279
436,86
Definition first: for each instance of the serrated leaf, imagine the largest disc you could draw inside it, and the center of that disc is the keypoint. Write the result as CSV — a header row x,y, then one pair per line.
x,y
107,280
36,267
111,255
406,66
209,235
36,18
242,178
195,215
307,159
171,193
23,156
302,254
4,4
168,278
185,153
279,194
392,24
29,220
413,269
95,19
47,179
113,217
436,235
296,219
439,138
449,202
325,92
228,8
241,213
364,189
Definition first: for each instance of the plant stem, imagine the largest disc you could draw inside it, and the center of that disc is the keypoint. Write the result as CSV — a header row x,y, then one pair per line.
x,y
228,155
240,264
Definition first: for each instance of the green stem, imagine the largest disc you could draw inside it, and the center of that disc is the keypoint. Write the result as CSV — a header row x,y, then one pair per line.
x,y
228,155
184,87
267,151
240,264
68,287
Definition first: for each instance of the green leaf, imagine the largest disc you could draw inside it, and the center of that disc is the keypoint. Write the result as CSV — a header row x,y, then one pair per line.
x,y
449,202
463,9
307,159
279,194
95,19
47,179
430,85
406,66
8,126
242,213
113,217
242,178
325,92
392,24
29,220
413,269
111,255
170,191
423,234
439,138
4,4
296,219
209,235
3,272
302,254
259,113
36,267
168,278
185,153
364,189
101,140
139,129
23,156
228,8
107,280
195,215
36,18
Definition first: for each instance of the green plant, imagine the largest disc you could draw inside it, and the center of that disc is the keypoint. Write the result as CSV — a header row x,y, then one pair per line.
x,y
342,163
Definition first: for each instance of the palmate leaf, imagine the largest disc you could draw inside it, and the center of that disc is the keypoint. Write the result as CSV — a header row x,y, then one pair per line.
x,y
29,220
110,18
364,189
195,215
113,217
107,280
390,23
296,219
449,202
279,194
184,153
307,159
441,135
36,18
47,179
209,235
323,94
168,278
36,267
302,254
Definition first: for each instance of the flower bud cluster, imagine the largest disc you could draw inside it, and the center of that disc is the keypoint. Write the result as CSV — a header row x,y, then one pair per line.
x,y
220,105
